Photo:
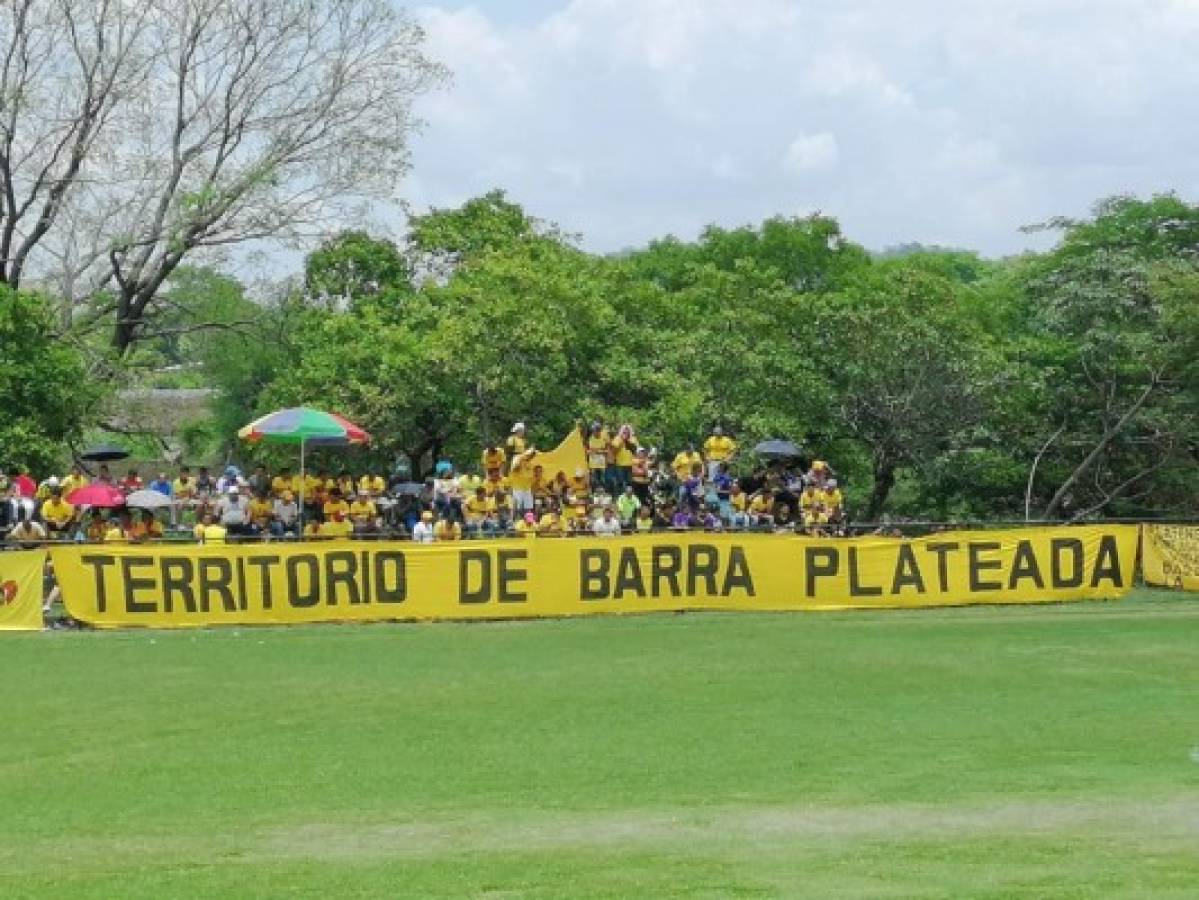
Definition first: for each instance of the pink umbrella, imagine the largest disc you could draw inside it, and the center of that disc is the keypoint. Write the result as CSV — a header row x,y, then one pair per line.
x,y
97,494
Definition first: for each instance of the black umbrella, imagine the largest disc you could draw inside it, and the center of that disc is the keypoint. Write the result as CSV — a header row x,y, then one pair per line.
x,y
407,488
105,453
778,450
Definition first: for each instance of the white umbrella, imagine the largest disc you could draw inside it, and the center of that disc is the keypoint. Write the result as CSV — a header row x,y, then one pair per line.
x,y
147,500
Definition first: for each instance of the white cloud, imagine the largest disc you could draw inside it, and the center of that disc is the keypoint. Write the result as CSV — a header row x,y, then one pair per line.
x,y
627,119
810,152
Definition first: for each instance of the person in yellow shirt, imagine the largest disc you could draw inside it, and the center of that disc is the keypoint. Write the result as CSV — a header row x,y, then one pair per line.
x,y
209,530
475,509
832,500
74,481
623,448
685,462
495,483
542,487
184,487
599,452
517,441
314,489
372,485
550,524
526,526
468,483
579,486
493,459
645,520
364,515
446,530
761,508
312,528
718,448
57,513
285,481
738,503
335,504
147,528
338,526
521,479
261,511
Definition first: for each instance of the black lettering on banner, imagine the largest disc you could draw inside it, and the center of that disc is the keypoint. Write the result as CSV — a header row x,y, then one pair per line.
x,y
593,574
819,562
1107,563
98,563
241,583
1073,547
508,575
341,568
364,570
628,575
907,571
133,583
480,560
216,577
293,566
978,565
703,560
176,574
942,551
737,576
1025,566
666,563
856,588
264,564
393,589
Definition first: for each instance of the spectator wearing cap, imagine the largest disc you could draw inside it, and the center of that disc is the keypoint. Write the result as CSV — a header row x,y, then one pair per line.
x,y
232,511
579,487
286,514
718,448
517,441
231,478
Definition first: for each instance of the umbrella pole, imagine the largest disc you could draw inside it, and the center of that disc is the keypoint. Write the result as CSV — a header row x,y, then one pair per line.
x,y
303,481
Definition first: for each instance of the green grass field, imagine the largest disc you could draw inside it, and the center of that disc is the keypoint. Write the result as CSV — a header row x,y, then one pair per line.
x,y
984,752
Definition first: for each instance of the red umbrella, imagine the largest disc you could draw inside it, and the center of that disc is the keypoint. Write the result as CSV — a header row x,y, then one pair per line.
x,y
97,494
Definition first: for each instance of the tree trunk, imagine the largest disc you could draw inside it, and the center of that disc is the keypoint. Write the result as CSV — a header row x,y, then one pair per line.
x,y
884,480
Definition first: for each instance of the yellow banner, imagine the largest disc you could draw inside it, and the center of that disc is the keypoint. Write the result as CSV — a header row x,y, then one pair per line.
x,y
21,590
165,586
1170,556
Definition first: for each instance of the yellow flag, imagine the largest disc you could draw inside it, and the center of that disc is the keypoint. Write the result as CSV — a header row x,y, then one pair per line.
x,y
567,457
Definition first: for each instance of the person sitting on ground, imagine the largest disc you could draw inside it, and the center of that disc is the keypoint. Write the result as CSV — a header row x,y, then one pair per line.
x,y
364,515
285,514
719,449
627,506
422,531
96,527
25,531
447,530
337,526
58,514
644,523
607,525
209,530
146,528
526,525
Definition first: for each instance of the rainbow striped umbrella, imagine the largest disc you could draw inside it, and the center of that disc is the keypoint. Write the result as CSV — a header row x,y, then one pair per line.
x,y
304,425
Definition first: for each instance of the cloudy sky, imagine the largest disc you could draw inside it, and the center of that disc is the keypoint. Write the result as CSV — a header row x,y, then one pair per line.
x,y
941,121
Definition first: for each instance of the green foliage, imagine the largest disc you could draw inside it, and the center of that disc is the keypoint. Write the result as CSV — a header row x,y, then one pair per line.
x,y
47,397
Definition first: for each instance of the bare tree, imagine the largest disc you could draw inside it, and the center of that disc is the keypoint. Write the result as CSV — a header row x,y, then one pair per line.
x,y
224,121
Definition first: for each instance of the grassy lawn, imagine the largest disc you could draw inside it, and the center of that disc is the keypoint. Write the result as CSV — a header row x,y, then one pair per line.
x,y
984,752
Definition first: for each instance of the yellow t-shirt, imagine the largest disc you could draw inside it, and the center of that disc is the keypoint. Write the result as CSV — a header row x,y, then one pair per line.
x,y
210,534
447,531
335,529
491,485
468,484
718,448
372,485
809,500
831,499
521,476
494,460
761,504
279,484
115,535
313,488
261,511
152,529
623,452
58,512
683,463
516,444
525,529
597,452
549,524
335,506
738,501
362,509
580,487
477,508
184,490
73,483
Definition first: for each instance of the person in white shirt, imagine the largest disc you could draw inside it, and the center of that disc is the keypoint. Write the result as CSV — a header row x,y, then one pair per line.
x,y
287,514
607,525
423,532
232,511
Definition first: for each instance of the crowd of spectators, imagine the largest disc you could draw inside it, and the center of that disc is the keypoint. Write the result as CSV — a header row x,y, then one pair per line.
x,y
625,487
